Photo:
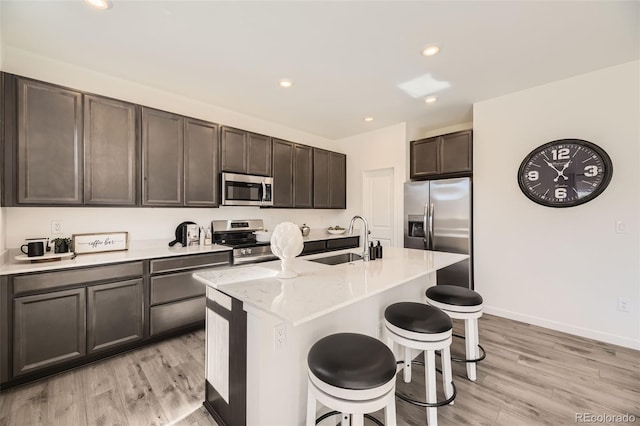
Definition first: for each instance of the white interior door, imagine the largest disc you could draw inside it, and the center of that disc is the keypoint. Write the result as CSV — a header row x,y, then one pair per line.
x,y
378,205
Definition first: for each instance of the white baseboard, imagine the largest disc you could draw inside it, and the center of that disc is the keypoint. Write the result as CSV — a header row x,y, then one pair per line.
x,y
627,342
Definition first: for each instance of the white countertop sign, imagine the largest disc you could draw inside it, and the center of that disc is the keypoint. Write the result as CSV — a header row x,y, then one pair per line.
x,y
320,289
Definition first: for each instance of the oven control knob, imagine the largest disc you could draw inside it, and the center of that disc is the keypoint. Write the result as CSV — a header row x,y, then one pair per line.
x,y
248,251
243,251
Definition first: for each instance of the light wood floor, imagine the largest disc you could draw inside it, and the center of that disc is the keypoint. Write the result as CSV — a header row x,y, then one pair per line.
x,y
531,376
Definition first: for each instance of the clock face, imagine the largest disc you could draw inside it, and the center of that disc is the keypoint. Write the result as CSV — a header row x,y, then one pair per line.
x,y
565,173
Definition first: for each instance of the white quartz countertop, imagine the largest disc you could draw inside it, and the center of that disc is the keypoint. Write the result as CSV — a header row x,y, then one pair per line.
x,y
320,289
138,250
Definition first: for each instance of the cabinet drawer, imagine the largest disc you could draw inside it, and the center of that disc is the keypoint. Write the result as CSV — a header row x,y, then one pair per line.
x,y
350,242
314,247
173,315
51,280
190,261
182,285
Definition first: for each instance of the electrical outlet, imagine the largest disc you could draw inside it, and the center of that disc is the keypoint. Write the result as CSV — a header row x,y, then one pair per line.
x,y
621,227
624,304
56,227
280,335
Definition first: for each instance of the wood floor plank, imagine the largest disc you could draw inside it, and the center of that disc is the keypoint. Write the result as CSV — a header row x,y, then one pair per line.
x,y
66,400
106,409
140,403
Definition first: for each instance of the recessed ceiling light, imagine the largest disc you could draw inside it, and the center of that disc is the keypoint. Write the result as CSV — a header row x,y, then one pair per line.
x,y
100,4
285,83
431,50
430,99
368,119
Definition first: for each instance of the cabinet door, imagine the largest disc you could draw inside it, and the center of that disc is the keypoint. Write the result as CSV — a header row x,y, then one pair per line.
x,y
424,158
456,152
321,178
162,158
233,150
337,180
114,314
49,144
200,163
258,154
303,177
110,158
282,173
48,329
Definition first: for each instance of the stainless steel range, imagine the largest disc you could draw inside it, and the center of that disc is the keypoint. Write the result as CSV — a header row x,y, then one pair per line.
x,y
239,234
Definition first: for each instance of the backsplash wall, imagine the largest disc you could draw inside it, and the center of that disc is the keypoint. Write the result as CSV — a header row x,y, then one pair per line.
x,y
145,223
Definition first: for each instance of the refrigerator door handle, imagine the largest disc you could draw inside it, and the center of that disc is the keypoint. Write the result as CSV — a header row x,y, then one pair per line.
x,y
431,213
425,219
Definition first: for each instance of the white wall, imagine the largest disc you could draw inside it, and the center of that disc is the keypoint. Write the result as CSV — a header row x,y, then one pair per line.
x,y
561,268
142,223
379,149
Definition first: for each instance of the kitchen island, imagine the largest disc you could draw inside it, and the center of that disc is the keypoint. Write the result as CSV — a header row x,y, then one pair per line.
x,y
260,327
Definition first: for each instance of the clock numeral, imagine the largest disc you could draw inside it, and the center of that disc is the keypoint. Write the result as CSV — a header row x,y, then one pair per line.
x,y
560,154
561,193
534,175
591,171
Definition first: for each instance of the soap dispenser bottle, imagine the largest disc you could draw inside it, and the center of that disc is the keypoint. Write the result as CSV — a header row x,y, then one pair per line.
x,y
378,251
372,251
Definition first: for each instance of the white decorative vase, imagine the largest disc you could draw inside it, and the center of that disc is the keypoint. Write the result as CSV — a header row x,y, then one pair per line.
x,y
286,243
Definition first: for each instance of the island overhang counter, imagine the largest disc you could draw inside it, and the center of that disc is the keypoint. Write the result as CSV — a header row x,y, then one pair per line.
x,y
259,327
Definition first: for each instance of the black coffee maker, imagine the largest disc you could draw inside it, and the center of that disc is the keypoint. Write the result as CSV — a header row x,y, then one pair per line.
x,y
182,234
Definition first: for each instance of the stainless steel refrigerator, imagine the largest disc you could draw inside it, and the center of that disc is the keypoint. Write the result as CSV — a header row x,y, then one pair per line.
x,y
437,216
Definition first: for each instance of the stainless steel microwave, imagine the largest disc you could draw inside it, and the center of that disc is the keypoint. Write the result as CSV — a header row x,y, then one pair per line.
x,y
246,190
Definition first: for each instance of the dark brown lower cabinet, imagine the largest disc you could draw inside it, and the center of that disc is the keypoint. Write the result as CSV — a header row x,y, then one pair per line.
x,y
114,314
48,329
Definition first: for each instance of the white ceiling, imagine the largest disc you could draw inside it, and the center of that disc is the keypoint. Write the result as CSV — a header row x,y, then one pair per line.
x,y
346,59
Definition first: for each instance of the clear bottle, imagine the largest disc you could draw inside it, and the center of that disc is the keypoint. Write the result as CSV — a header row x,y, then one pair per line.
x,y
207,237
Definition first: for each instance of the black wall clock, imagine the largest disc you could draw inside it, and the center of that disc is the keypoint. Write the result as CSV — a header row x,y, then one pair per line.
x,y
565,173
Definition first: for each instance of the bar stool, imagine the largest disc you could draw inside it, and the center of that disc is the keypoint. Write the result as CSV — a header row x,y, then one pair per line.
x,y
424,328
353,374
461,303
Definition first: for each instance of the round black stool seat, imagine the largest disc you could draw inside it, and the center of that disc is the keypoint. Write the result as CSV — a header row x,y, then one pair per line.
x,y
352,361
418,317
453,295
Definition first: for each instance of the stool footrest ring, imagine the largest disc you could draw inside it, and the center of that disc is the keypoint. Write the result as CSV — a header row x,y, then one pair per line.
x,y
427,404
333,413
482,356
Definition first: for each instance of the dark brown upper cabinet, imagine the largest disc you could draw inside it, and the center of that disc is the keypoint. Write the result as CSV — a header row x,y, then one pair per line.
x,y
329,179
162,158
110,152
292,174
244,152
179,160
303,176
283,157
49,144
200,163
446,155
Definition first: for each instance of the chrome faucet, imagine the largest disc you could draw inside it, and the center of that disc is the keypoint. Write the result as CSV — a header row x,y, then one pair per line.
x,y
365,253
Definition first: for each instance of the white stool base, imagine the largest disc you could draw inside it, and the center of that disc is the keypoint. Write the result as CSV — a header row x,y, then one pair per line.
x,y
470,315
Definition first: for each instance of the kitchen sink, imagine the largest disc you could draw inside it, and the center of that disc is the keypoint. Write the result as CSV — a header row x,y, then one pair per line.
x,y
337,259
